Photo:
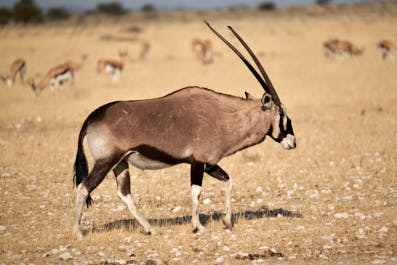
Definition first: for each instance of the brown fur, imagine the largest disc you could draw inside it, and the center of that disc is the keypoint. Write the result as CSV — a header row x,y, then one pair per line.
x,y
340,47
75,65
203,50
386,48
17,66
209,117
51,75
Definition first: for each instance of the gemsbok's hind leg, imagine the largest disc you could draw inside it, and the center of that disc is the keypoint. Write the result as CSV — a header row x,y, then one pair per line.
x,y
94,178
219,173
196,180
124,192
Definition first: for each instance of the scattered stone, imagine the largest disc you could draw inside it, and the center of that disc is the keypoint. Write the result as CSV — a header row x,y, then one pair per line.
x,y
65,256
267,254
2,228
220,260
176,209
341,215
378,261
206,201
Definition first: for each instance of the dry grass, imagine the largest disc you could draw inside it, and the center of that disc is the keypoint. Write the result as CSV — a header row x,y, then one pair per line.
x,y
339,184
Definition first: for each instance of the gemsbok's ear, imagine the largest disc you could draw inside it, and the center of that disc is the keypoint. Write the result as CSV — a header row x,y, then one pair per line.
x,y
248,96
266,101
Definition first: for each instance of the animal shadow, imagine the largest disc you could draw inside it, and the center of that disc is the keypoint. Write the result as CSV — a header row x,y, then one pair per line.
x,y
132,224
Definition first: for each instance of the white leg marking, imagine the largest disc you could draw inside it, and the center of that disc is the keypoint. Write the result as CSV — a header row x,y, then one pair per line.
x,y
131,206
81,196
196,192
227,220
124,193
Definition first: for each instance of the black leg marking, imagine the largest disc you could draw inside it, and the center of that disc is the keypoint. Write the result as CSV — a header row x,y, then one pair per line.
x,y
216,172
196,173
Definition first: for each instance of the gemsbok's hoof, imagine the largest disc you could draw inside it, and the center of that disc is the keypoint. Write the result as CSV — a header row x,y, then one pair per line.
x,y
199,230
78,234
227,223
151,232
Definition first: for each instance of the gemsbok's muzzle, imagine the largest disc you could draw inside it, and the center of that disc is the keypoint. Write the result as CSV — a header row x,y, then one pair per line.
x,y
288,142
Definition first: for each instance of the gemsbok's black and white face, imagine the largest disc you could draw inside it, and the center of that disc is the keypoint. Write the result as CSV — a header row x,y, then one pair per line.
x,y
281,128
286,136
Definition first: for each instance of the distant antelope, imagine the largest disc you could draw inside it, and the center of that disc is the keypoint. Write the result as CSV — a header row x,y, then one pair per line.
x,y
203,50
341,47
56,76
329,47
111,66
386,49
17,67
192,125
75,65
144,50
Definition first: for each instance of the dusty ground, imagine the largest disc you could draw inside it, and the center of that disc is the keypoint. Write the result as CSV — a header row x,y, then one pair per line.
x,y
331,200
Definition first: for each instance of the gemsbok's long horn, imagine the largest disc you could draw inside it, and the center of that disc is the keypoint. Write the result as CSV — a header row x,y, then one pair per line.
x,y
267,86
272,91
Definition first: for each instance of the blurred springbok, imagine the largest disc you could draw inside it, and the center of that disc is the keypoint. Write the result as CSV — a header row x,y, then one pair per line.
x,y
56,76
111,66
144,50
77,66
17,67
203,50
341,47
329,47
386,49
192,125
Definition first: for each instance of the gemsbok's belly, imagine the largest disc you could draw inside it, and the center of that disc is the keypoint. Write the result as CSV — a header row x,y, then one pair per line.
x,y
142,162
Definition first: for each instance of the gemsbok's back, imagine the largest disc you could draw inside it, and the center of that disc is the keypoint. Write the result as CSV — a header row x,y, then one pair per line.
x,y
192,125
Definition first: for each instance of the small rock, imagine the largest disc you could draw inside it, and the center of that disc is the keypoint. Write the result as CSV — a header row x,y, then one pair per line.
x,y
65,256
341,215
2,228
378,261
176,209
206,201
226,248
220,260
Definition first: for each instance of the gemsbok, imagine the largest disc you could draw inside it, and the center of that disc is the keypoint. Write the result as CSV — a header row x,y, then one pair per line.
x,y
193,125
386,49
17,67
112,66
56,76
203,50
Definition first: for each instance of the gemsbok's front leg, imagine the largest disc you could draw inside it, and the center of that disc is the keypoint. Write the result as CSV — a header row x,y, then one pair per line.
x,y
124,193
219,173
196,180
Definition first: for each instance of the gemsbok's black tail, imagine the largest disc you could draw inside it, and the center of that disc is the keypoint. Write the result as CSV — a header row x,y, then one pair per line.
x,y
80,164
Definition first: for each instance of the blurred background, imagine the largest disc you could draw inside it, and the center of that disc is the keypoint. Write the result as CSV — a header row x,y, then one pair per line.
x,y
39,10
